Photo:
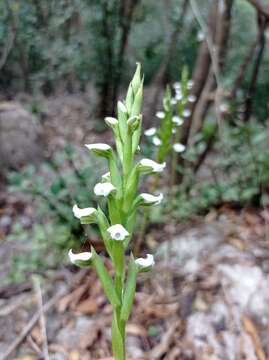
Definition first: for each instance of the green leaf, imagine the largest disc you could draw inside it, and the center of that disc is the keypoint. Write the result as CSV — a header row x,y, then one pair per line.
x,y
129,293
105,279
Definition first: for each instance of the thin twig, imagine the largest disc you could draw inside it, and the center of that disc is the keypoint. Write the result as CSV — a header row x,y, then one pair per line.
x,y
31,324
42,319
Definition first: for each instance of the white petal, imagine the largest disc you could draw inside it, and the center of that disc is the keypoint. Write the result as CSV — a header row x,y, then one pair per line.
x,y
99,146
160,114
186,113
177,85
150,132
174,101
103,189
156,141
147,262
177,120
117,232
174,131
152,199
156,167
84,256
179,148
78,212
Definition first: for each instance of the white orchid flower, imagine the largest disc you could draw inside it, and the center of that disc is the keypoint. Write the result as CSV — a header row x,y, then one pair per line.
x,y
177,120
174,131
179,148
192,98
174,101
100,149
177,85
149,199
160,114
156,141
186,113
81,259
151,131
145,264
117,232
178,96
103,189
200,36
148,165
85,212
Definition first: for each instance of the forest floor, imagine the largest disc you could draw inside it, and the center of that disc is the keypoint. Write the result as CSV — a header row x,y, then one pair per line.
x,y
206,299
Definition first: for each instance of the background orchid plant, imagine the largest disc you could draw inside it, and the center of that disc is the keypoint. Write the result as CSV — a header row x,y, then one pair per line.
x,y
116,223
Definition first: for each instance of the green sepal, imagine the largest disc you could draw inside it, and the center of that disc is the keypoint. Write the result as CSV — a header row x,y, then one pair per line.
x,y
114,172
136,108
105,279
122,116
136,81
136,137
129,293
103,226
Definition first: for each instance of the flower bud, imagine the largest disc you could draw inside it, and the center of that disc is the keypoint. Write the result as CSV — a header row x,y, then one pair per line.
x,y
144,265
111,121
133,122
106,177
83,259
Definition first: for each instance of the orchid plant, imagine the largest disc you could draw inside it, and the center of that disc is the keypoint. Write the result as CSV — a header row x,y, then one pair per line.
x,y
175,112
116,223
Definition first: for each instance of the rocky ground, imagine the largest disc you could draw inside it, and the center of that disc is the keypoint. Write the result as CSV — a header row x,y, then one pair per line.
x,y
206,299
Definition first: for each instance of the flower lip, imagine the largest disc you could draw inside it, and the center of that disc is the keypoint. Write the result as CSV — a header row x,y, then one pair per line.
x,y
152,199
179,147
145,262
84,256
117,232
79,213
156,141
150,132
154,166
177,120
160,114
103,189
99,146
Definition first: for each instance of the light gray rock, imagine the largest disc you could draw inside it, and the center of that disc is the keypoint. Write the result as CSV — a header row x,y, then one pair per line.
x,y
21,140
